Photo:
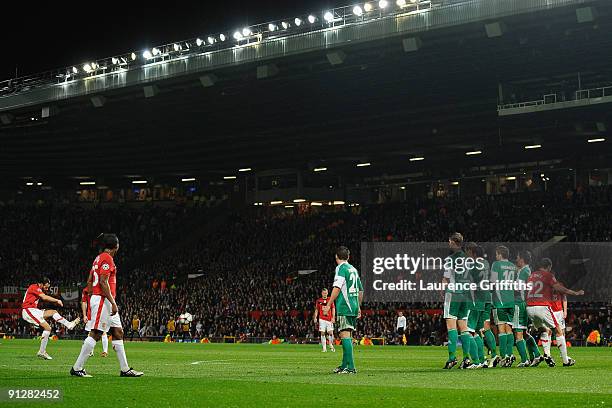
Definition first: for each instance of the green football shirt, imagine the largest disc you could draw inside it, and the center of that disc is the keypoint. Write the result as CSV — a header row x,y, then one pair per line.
x,y
347,280
456,272
477,276
523,275
503,271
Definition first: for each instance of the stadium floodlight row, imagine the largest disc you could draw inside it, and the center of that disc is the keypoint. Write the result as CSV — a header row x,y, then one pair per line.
x,y
332,18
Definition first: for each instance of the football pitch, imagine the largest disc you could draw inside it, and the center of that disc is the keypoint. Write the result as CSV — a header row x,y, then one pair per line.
x,y
227,375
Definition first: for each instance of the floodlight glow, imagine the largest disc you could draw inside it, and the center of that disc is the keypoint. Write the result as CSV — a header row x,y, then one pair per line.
x,y
285,25
94,65
402,187
400,3
367,7
188,179
364,164
87,68
473,153
275,202
39,184
534,146
139,182
329,16
358,11
222,37
147,54
246,31
338,202
510,178
237,36
133,56
413,159
211,40
229,178
298,21
199,42
177,47
155,51
601,139
75,70
288,206
245,169
312,19
299,200
115,61
319,169
272,27
383,4
455,183
87,183
316,204
29,184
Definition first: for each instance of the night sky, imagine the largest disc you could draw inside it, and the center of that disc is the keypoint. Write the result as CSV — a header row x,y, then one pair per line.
x,y
51,35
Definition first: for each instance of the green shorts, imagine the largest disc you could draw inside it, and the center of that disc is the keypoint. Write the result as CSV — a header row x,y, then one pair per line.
x,y
503,315
346,323
456,306
475,320
520,319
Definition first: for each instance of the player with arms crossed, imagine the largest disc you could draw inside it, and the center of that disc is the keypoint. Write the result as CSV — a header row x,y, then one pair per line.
x,y
38,317
325,320
104,311
347,294
87,317
539,304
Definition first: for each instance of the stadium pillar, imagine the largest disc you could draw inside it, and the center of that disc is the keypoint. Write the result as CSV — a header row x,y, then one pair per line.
x,y
586,14
411,44
150,91
48,111
6,118
266,71
208,80
98,101
496,29
336,57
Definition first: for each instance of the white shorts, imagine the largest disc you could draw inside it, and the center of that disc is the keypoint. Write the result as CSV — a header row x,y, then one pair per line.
x,y
542,317
560,319
33,315
100,312
326,326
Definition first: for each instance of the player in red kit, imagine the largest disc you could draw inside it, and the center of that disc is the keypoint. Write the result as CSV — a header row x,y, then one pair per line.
x,y
37,317
540,307
325,320
87,317
103,311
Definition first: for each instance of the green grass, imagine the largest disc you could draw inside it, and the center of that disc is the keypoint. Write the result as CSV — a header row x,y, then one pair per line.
x,y
226,375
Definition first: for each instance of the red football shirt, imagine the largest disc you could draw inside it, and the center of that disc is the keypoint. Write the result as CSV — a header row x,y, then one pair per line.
x,y
32,296
557,302
323,302
104,265
541,293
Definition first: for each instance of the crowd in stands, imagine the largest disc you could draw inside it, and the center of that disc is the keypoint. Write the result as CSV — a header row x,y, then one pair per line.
x,y
249,284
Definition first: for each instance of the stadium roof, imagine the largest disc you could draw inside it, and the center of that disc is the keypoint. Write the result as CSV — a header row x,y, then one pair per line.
x,y
381,105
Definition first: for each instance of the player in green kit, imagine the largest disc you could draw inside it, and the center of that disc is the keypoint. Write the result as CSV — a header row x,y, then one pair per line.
x,y
524,342
456,302
477,311
347,295
503,274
